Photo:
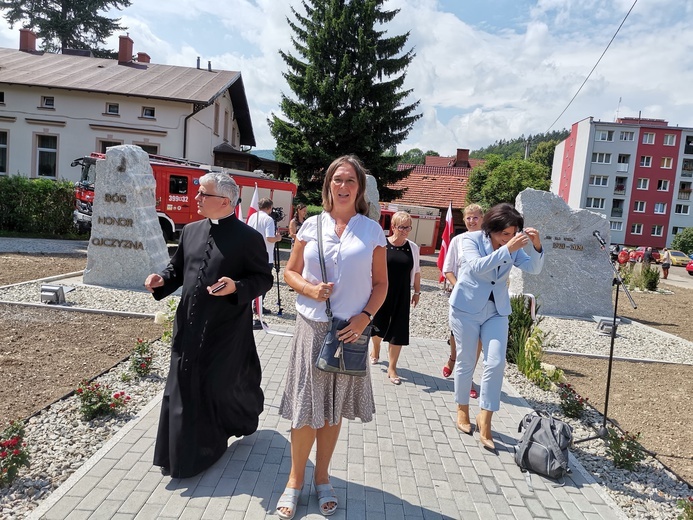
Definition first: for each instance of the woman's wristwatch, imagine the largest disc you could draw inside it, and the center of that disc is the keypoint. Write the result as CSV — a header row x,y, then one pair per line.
x,y
370,316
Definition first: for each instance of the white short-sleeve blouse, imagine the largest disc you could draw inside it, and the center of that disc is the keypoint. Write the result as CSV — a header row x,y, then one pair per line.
x,y
348,262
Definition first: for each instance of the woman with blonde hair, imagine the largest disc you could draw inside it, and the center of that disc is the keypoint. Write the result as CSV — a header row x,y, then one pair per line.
x,y
391,322
315,401
473,217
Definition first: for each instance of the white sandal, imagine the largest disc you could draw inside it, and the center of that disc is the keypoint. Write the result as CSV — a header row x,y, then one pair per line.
x,y
326,495
288,500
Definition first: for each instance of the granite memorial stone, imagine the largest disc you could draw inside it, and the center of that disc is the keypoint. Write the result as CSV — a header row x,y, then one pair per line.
x,y
126,242
373,198
577,276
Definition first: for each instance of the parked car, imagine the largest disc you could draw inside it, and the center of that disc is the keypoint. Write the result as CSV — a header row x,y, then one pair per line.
x,y
640,251
689,267
679,257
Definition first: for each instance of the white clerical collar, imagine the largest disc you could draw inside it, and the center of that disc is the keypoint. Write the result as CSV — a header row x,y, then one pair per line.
x,y
216,220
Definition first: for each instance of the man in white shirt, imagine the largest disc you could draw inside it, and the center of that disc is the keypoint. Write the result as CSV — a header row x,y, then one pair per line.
x,y
263,223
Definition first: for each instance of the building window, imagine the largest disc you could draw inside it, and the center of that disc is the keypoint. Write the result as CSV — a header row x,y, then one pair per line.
x,y
216,118
112,109
669,140
666,163
601,158
615,225
605,135
660,208
639,206
657,230
662,185
2,98
648,138
599,180
676,230
687,168
645,161
643,184
148,112
594,203
623,158
627,136
636,229
227,118
688,148
3,153
47,153
47,102
681,209
104,145
151,149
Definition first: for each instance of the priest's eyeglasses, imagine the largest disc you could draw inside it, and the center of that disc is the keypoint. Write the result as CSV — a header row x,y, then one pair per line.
x,y
205,195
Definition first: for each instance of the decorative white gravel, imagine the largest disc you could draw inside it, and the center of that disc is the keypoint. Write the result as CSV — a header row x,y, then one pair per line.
x,y
60,441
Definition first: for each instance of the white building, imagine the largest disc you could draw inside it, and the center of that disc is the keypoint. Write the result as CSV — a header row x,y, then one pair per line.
x,y
638,172
57,107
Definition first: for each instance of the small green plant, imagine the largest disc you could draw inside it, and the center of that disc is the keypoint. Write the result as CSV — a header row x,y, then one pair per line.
x,y
649,278
97,400
13,452
520,325
572,403
167,320
624,449
686,506
141,359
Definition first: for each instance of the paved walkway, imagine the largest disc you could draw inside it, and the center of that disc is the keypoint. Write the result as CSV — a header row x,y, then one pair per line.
x,y
409,462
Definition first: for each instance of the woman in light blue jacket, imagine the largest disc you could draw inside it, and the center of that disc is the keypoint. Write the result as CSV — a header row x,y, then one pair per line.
x,y
480,306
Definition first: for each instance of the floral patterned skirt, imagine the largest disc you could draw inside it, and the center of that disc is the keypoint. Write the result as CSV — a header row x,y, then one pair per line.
x,y
313,397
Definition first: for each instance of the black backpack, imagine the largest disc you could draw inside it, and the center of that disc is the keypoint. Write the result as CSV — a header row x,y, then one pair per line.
x,y
543,447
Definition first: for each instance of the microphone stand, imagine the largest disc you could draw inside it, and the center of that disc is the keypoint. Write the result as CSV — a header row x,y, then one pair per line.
x,y
603,433
277,267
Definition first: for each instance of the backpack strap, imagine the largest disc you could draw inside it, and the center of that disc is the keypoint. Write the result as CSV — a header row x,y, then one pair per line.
x,y
533,427
558,453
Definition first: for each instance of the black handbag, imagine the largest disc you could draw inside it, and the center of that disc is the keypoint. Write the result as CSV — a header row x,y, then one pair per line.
x,y
336,356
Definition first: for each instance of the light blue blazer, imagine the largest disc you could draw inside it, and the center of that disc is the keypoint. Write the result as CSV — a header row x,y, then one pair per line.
x,y
484,271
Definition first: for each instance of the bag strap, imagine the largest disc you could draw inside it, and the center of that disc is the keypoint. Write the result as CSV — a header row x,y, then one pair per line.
x,y
555,448
533,426
321,255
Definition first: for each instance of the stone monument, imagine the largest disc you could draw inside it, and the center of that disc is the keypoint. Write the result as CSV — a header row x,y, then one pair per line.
x,y
372,198
126,242
577,277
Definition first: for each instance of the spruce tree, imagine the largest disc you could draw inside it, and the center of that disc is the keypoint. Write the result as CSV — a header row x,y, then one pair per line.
x,y
346,78
66,24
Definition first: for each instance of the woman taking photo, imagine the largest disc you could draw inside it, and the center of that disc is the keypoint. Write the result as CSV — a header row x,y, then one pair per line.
x,y
355,259
391,323
480,306
297,221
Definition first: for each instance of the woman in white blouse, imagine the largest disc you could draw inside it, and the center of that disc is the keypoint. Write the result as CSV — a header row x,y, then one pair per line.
x,y
315,401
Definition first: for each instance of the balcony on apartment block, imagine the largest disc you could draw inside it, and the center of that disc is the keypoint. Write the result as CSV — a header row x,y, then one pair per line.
x,y
620,189
684,195
616,212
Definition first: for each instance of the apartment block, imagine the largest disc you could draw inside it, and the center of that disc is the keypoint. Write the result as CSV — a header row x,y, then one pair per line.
x,y
637,172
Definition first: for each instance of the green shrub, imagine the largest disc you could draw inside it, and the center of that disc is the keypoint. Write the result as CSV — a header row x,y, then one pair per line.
x,y
520,327
649,278
40,206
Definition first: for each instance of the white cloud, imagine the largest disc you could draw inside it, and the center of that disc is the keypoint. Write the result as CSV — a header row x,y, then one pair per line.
x,y
476,84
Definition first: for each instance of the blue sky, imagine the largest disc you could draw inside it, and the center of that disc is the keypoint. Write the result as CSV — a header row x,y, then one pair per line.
x,y
484,70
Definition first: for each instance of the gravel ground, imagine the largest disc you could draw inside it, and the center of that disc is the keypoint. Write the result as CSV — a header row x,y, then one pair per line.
x,y
61,442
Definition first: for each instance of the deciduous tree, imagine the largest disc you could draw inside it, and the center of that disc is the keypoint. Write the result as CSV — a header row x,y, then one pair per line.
x,y
346,77
66,24
683,241
500,180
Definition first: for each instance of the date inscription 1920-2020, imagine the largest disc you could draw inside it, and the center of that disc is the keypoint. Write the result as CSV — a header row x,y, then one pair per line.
x,y
564,243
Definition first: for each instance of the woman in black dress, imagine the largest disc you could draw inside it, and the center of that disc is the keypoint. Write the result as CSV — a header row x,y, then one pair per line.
x,y
403,273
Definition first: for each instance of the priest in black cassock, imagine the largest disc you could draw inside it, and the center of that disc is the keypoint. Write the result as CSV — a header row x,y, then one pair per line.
x,y
213,388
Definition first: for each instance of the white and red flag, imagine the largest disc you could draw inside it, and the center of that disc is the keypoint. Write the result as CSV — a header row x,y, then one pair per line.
x,y
253,206
447,236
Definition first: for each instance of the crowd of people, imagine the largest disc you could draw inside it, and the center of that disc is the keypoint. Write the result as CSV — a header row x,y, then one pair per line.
x,y
342,266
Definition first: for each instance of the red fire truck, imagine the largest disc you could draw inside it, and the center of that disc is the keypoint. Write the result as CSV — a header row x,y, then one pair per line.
x,y
176,186
425,223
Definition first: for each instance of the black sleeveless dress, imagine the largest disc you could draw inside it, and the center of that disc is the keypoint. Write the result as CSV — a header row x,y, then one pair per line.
x,y
392,320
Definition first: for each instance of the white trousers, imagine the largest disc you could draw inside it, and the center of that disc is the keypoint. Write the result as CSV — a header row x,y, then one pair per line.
x,y
492,328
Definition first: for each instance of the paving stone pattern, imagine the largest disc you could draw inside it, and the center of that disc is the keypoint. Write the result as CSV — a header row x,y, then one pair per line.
x,y
408,463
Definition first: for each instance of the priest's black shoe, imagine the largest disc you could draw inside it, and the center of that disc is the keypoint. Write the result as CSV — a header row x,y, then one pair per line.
x,y
257,325
266,311
165,471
